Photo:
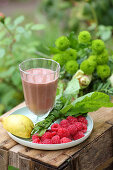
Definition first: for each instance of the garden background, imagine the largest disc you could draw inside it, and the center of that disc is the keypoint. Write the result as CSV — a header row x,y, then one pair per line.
x,y
31,28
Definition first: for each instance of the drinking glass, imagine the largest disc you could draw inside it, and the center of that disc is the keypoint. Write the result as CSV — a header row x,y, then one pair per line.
x,y
39,80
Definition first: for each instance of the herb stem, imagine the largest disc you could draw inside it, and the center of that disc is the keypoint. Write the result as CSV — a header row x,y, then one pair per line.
x,y
42,54
94,15
12,35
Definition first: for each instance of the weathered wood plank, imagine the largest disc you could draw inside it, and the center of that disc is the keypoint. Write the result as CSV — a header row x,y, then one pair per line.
x,y
24,164
96,152
106,165
39,166
3,159
14,156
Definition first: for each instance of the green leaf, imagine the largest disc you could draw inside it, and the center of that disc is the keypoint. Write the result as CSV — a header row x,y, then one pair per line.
x,y
59,90
89,103
18,20
7,20
28,26
72,89
2,34
54,50
20,29
7,73
105,32
73,40
2,52
38,27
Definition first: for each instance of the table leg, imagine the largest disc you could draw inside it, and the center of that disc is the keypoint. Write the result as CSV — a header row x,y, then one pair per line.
x,y
3,159
24,163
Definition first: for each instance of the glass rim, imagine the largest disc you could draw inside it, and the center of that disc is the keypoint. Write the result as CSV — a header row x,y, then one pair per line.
x,y
25,72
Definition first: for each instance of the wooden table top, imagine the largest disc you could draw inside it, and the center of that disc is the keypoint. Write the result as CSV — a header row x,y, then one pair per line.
x,y
103,120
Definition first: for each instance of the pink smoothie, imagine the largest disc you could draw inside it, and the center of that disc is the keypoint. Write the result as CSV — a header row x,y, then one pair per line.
x,y
39,87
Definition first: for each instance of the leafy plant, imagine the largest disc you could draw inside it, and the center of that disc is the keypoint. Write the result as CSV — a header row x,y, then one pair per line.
x,y
86,59
97,9
64,106
18,41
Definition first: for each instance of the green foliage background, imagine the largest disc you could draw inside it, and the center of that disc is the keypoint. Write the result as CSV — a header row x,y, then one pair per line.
x,y
18,41
21,39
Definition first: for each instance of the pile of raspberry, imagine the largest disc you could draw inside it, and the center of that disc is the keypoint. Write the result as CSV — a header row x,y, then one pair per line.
x,y
67,130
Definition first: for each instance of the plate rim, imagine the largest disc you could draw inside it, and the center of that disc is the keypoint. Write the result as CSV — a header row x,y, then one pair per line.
x,y
23,142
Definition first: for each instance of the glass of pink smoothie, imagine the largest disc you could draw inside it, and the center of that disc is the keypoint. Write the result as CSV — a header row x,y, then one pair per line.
x,y
39,79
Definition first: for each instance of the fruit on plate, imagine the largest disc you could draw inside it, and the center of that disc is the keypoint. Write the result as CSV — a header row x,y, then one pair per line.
x,y
68,130
18,125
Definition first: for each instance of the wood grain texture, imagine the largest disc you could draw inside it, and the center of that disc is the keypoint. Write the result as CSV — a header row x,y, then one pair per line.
x,y
14,156
24,164
96,152
99,142
3,159
106,165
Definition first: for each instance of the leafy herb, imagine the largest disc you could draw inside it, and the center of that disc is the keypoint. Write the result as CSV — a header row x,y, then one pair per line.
x,y
80,106
106,88
89,103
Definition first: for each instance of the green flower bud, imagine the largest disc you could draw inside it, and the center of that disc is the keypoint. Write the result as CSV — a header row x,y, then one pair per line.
x,y
71,66
102,58
71,54
62,43
87,67
2,17
98,46
60,58
84,37
103,71
93,58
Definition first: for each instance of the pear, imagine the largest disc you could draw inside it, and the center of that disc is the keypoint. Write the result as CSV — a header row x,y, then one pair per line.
x,y
18,125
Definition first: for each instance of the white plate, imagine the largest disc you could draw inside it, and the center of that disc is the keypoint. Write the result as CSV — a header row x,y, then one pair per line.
x,y
26,142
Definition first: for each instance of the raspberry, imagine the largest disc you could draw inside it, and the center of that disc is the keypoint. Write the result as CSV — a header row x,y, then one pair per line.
x,y
46,135
82,119
78,135
72,129
78,125
48,130
63,132
35,136
64,123
72,119
53,134
65,140
47,141
84,129
55,127
36,140
55,139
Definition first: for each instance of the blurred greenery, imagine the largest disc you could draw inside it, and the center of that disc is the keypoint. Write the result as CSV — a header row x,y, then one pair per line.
x,y
12,168
18,42
32,36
